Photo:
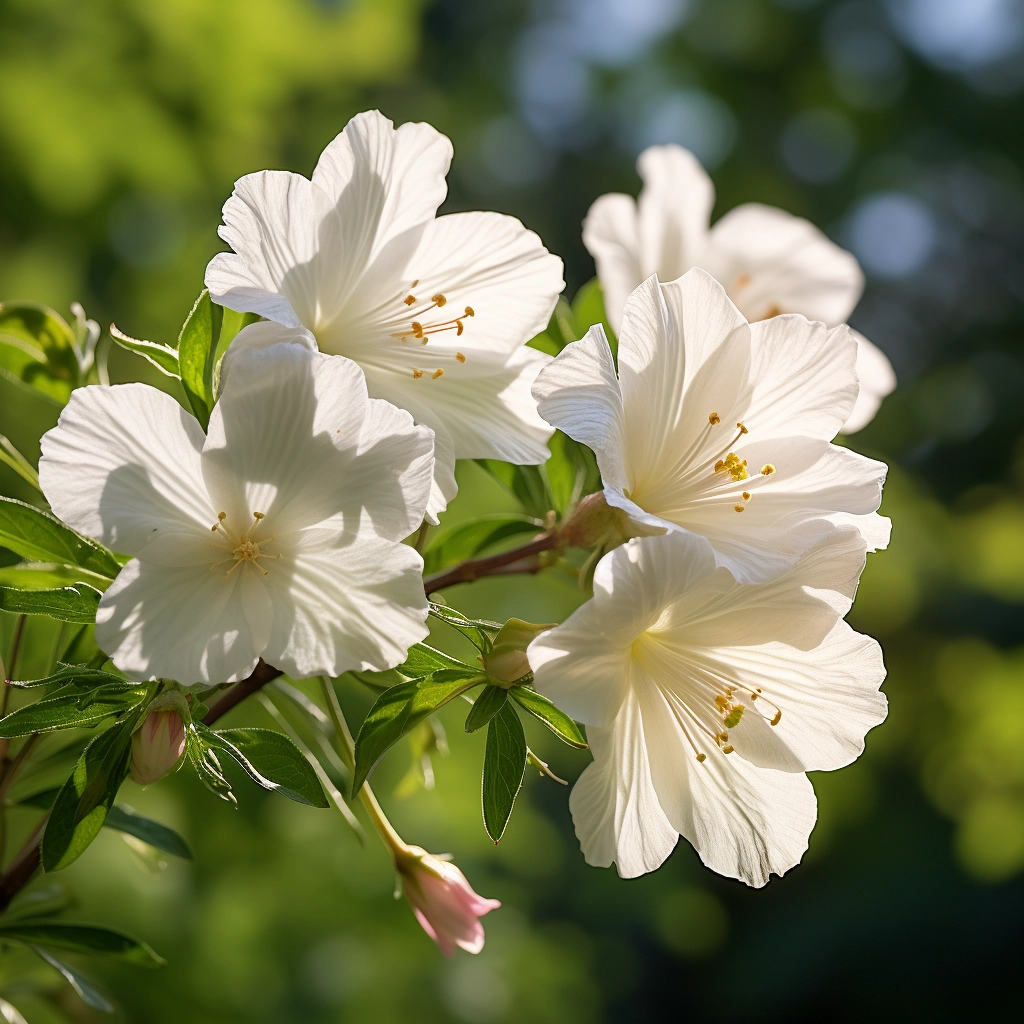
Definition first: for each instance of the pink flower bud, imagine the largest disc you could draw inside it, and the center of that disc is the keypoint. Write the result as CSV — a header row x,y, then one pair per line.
x,y
157,745
443,901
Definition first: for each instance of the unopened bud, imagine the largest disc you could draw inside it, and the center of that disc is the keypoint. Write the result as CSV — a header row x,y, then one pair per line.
x,y
443,900
596,524
507,660
158,745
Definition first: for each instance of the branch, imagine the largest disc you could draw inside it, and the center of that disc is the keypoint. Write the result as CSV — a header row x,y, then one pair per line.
x,y
261,675
466,572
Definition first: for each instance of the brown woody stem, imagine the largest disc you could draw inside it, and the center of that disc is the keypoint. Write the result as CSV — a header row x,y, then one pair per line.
x,y
466,572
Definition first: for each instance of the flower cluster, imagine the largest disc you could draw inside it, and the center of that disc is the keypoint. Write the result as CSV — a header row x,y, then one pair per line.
x,y
269,534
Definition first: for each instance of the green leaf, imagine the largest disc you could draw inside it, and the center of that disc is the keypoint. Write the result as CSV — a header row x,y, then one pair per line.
x,y
491,700
422,660
82,938
42,537
588,309
84,988
470,538
81,675
504,767
124,819
84,799
38,347
272,761
479,632
557,721
571,471
400,709
197,349
163,357
68,711
232,322
207,764
42,800
526,483
77,603
11,457
48,576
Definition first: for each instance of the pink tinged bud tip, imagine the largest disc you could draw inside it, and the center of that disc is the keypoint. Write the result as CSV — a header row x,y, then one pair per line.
x,y
158,745
443,901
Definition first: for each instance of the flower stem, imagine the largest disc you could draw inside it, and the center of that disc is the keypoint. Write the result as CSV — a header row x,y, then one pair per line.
x,y
347,751
473,569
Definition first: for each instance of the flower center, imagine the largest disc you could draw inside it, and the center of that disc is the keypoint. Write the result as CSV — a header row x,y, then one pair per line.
x,y
420,328
731,465
244,548
732,710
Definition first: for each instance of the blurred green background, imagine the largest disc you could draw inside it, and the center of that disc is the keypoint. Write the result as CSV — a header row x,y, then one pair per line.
x,y
895,126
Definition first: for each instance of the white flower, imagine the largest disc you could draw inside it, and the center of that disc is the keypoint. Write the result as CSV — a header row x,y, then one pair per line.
x,y
769,261
275,536
719,426
705,702
436,310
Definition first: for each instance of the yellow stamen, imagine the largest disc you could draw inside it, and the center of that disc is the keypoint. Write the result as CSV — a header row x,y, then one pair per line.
x,y
738,508
701,757
727,749
438,299
777,718
714,419
460,357
437,373
416,374
410,300
742,429
746,495
767,469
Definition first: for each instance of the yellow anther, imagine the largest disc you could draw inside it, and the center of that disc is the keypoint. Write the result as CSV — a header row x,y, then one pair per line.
x,y
221,516
460,357
438,299
734,717
416,374
459,328
417,329
469,311
722,737
746,495
767,469
258,516
719,466
777,718
742,429
714,418
437,373
738,508
410,300
727,749
722,702
701,757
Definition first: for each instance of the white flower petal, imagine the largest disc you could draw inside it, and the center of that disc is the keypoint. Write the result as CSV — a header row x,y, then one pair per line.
x,y
674,210
300,428
578,393
577,667
614,806
350,603
187,623
877,379
383,181
489,415
122,465
610,233
684,354
744,822
772,262
805,382
828,696
272,222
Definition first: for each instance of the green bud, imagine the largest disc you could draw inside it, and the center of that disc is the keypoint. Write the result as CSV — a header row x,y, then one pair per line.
x,y
507,661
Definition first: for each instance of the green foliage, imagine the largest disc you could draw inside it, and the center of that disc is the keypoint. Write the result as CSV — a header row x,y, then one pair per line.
x,y
479,632
37,348
504,767
82,938
71,710
77,603
197,350
160,837
475,536
82,804
401,708
491,700
163,357
42,537
557,721
82,986
271,760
